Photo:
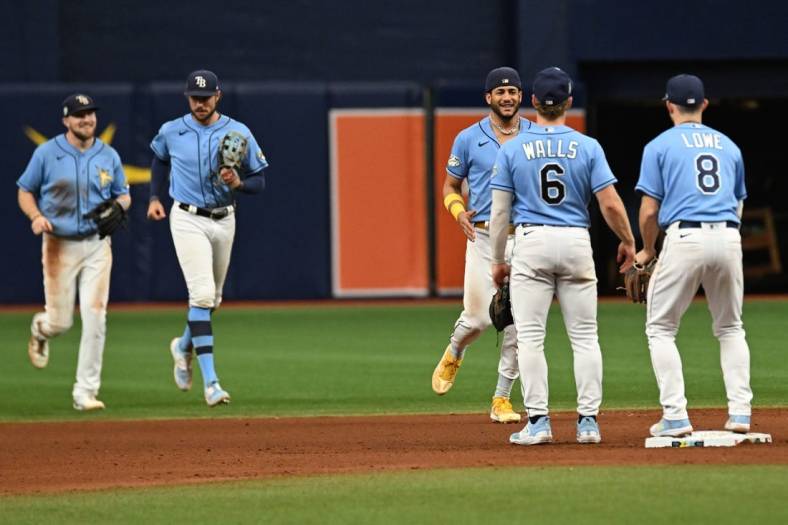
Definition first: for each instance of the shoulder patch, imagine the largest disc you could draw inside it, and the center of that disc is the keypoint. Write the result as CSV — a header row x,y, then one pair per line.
x,y
454,161
260,154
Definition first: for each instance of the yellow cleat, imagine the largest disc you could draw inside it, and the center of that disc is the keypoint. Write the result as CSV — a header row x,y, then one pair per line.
x,y
502,411
445,372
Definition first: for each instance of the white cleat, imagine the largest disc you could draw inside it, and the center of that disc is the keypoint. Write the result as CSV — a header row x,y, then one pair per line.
x,y
38,351
86,403
182,366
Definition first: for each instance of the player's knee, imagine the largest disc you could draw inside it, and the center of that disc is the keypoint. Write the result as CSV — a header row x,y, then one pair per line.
x,y
479,323
733,331
202,300
58,325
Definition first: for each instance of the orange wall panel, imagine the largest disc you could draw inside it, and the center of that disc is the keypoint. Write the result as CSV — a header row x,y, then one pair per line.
x,y
379,226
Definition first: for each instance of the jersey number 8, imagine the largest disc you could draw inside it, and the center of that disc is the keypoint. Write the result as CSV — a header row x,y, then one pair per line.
x,y
708,176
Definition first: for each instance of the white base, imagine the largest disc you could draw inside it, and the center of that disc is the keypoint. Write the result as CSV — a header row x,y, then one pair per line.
x,y
708,438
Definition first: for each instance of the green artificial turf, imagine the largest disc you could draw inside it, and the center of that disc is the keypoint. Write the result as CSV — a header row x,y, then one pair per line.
x,y
341,359
572,495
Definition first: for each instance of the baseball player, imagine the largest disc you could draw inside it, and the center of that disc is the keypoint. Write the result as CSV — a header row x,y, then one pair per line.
x,y
545,179
202,221
471,159
692,180
65,179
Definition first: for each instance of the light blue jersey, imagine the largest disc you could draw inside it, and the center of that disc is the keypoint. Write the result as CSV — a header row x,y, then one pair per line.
x,y
696,173
552,171
193,153
68,183
472,157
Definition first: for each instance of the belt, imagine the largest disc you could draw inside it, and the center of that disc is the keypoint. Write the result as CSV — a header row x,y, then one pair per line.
x,y
695,224
215,214
485,225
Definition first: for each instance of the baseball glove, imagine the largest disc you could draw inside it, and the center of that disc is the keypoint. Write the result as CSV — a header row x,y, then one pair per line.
x,y
636,280
501,308
108,216
232,151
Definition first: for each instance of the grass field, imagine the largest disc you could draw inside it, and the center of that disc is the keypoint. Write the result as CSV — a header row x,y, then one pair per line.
x,y
281,361
364,360
584,495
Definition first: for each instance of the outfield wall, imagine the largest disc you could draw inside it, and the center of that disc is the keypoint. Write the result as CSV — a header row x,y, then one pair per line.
x,y
352,204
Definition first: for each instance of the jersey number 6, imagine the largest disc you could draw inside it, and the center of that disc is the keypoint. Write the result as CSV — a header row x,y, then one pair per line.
x,y
553,191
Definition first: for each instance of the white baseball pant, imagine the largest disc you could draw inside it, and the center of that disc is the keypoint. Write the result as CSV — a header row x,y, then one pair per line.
x,y
556,261
711,257
203,246
71,265
478,292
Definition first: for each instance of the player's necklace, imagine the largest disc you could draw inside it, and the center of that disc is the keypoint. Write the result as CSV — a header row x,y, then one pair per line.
x,y
507,131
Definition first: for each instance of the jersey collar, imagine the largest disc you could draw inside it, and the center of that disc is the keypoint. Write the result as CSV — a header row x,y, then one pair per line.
x,y
66,146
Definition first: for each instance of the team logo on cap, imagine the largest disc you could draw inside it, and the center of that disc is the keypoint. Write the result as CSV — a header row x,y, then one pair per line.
x,y
82,99
504,81
200,81
454,161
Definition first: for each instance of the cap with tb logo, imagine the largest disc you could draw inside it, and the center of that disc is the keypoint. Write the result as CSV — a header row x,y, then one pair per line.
x,y
76,103
201,83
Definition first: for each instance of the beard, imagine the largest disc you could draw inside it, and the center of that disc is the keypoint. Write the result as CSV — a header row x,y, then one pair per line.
x,y
84,136
505,119
206,118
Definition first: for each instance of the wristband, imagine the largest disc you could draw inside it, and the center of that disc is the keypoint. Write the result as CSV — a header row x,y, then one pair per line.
x,y
454,203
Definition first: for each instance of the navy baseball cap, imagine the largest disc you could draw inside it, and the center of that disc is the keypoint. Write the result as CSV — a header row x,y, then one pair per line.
x,y
502,76
201,83
684,90
552,86
78,102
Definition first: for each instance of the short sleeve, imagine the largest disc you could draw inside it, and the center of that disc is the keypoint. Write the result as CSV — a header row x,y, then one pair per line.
x,y
741,189
650,181
159,145
255,159
119,184
33,176
501,177
457,165
601,174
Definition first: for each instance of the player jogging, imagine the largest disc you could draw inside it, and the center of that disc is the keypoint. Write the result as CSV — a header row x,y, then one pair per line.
x,y
545,178
692,180
192,151
471,159
68,177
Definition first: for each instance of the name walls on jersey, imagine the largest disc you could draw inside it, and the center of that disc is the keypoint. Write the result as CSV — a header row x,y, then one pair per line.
x,y
134,174
702,140
550,148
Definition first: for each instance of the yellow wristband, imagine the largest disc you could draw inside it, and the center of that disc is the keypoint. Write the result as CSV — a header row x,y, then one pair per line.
x,y
454,203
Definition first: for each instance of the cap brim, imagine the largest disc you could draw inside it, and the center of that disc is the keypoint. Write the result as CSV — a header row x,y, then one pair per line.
x,y
200,93
83,110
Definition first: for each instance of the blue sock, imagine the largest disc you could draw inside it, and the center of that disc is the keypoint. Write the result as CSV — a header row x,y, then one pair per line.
x,y
202,339
206,365
185,342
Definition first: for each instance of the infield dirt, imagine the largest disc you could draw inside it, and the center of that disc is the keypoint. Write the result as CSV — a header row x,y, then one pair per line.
x,y
90,455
